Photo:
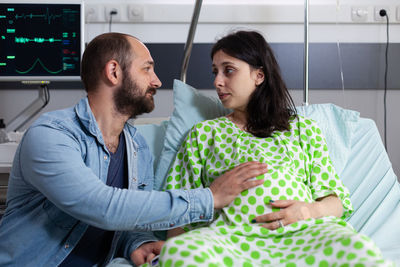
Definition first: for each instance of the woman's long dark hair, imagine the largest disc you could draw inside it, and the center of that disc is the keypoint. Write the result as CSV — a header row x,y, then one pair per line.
x,y
270,106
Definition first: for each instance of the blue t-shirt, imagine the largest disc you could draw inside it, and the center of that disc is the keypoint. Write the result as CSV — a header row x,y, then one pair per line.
x,y
95,243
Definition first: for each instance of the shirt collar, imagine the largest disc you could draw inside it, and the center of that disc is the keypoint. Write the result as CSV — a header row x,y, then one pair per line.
x,y
85,115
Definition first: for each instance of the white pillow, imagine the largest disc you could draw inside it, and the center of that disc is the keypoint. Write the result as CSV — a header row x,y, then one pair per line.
x,y
154,135
337,124
190,106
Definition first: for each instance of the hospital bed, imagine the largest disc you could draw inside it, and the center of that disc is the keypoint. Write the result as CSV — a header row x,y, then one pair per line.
x,y
354,143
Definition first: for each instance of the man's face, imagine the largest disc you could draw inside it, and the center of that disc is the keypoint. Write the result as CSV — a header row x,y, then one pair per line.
x,y
139,84
130,99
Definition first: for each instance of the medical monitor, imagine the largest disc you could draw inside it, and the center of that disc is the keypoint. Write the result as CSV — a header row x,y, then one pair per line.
x,y
41,40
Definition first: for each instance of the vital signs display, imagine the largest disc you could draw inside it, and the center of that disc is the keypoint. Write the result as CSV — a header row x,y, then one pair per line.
x,y
40,40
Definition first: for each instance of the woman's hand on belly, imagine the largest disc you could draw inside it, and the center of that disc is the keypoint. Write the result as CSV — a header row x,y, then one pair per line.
x,y
292,211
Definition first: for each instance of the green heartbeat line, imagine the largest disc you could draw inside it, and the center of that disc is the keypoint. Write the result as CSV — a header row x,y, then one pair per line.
x,y
46,16
23,40
34,64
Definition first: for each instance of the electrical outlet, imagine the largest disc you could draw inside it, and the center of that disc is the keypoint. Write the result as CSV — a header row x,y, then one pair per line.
x,y
93,13
359,13
135,13
110,8
377,16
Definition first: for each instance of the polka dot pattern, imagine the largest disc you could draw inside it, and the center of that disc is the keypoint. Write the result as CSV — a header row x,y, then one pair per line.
x,y
251,246
299,168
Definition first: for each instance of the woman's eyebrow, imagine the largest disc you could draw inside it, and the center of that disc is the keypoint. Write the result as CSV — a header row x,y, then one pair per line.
x,y
225,63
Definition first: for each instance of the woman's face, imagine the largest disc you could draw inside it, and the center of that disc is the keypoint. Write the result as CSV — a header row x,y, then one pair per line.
x,y
234,80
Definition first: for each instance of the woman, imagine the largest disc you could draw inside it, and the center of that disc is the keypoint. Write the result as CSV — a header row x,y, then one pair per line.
x,y
296,216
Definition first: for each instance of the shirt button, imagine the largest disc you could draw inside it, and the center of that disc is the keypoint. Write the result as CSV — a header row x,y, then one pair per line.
x,y
105,157
66,245
134,179
134,153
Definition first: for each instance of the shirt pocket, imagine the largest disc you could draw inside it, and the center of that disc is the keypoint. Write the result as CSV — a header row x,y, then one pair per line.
x,y
58,217
146,183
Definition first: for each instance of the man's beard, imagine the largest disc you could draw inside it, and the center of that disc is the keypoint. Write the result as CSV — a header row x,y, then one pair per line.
x,y
128,101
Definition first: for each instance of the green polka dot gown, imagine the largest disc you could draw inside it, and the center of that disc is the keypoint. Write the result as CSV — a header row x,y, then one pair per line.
x,y
299,168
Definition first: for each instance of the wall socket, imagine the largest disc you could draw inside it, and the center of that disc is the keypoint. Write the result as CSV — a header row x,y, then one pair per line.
x,y
108,9
377,16
93,13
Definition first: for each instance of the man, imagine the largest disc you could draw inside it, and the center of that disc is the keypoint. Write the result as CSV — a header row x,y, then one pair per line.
x,y
82,177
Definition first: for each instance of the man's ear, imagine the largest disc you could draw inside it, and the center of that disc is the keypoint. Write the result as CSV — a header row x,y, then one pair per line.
x,y
113,72
260,76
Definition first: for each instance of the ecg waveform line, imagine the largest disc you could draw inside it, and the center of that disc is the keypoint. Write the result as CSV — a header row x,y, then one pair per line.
x,y
24,40
43,66
47,16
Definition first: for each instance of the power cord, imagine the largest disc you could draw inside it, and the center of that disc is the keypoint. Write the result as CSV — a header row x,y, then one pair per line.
x,y
383,13
112,13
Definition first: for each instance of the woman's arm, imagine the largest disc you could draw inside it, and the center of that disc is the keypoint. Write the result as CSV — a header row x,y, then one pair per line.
x,y
327,206
293,211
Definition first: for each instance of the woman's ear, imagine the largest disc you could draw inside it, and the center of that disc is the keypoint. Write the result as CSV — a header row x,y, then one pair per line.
x,y
260,76
112,72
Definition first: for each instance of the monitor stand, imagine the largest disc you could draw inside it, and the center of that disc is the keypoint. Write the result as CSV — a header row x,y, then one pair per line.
x,y
30,111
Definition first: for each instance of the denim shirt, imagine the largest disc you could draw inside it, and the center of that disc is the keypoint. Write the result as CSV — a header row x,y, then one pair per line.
x,y
57,188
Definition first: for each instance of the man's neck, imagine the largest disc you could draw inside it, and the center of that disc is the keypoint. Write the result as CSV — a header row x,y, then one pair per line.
x,y
110,122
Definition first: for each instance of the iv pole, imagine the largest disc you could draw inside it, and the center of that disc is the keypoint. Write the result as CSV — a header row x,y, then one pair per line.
x,y
306,24
189,41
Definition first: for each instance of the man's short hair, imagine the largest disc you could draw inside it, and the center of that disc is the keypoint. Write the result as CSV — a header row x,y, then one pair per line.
x,y
100,50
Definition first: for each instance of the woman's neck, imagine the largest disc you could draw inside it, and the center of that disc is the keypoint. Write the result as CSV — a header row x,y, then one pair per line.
x,y
239,118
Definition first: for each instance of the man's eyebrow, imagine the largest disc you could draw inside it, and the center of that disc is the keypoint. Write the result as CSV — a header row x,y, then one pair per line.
x,y
149,62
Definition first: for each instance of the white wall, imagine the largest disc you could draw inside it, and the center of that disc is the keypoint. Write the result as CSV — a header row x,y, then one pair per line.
x,y
328,24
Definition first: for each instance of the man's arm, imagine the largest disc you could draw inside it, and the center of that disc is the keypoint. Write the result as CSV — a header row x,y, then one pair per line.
x,y
53,164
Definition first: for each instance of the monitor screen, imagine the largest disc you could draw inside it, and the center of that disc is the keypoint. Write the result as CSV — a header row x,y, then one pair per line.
x,y
41,40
